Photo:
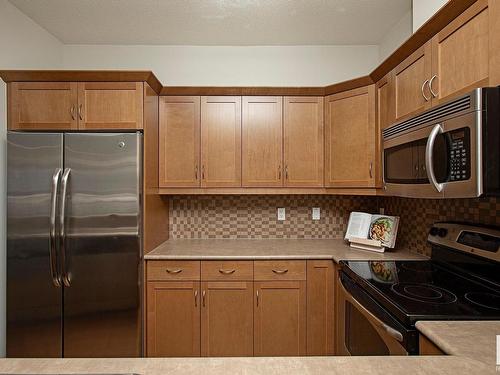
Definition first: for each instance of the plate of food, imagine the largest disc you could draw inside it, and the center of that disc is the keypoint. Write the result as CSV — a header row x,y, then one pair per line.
x,y
381,230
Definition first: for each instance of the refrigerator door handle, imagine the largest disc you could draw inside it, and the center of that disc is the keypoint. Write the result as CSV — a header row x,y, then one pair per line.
x,y
56,278
62,229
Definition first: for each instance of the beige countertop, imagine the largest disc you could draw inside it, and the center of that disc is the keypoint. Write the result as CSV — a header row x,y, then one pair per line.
x,y
270,249
442,365
471,339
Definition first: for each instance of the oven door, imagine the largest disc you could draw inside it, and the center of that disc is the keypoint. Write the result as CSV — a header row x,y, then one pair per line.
x,y
365,328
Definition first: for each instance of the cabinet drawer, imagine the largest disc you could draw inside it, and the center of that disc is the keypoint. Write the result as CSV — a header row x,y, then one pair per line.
x,y
173,270
214,270
280,270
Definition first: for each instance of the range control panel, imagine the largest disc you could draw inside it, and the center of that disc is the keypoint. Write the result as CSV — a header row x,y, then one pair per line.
x,y
459,154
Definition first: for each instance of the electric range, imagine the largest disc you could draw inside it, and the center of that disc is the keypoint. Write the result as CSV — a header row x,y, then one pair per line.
x,y
461,281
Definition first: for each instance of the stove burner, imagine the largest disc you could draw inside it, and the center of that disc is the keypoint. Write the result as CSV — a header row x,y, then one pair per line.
x,y
483,299
426,293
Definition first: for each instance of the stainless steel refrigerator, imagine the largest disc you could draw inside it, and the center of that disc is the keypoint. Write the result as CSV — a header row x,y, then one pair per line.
x,y
74,245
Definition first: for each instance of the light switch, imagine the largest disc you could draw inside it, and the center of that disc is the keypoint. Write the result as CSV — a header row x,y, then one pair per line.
x,y
316,214
281,213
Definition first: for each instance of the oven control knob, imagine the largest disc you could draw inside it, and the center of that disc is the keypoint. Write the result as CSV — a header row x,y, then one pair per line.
x,y
434,231
442,232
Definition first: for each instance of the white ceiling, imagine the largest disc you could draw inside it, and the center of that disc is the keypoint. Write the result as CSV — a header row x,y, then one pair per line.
x,y
216,22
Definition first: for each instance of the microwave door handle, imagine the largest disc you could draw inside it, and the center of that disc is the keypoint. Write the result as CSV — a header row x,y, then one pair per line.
x,y
56,279
394,333
62,226
429,162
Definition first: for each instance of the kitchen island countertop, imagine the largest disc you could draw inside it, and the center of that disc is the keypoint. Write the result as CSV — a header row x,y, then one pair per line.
x,y
442,365
472,339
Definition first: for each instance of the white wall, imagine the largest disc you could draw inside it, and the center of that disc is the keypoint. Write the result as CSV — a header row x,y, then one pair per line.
x,y
396,36
423,10
23,45
231,66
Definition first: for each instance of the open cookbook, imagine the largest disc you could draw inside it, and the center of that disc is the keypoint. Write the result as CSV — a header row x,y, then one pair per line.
x,y
372,232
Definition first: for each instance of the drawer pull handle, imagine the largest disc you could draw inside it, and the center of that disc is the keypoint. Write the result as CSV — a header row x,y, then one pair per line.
x,y
280,272
178,270
203,298
195,298
227,272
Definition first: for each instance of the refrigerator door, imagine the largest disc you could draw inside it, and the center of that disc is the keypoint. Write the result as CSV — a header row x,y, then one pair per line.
x,y
34,297
100,245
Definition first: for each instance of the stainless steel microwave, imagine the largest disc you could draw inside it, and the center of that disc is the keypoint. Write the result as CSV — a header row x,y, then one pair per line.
x,y
450,151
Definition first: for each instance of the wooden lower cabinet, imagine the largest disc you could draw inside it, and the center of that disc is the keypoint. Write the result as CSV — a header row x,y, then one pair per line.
x,y
227,319
173,319
427,347
240,308
280,318
320,307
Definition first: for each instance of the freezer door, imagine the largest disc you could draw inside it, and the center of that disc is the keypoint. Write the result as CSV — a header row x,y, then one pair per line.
x,y
34,299
100,247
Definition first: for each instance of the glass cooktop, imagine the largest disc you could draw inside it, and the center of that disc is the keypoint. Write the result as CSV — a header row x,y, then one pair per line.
x,y
424,290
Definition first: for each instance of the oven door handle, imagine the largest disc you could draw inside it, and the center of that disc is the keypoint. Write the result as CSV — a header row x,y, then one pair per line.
x,y
394,333
429,162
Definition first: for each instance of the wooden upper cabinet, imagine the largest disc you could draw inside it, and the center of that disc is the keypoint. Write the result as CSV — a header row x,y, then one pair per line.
x,y
280,318
179,137
303,141
350,138
261,141
227,319
110,105
461,54
385,116
221,141
173,319
42,106
320,307
410,83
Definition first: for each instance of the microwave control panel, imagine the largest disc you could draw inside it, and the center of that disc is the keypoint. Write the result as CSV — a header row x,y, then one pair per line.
x,y
459,154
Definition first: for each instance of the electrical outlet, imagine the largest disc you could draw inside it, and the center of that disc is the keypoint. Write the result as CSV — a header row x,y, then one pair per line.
x,y
281,213
316,213
381,210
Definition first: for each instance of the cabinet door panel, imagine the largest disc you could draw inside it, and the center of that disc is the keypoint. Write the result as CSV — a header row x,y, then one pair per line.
x,y
227,319
110,105
320,307
262,141
280,318
303,128
460,54
221,141
409,79
350,138
173,319
385,117
42,106
179,141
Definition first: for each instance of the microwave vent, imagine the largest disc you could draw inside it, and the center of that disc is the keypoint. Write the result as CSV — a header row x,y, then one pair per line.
x,y
431,116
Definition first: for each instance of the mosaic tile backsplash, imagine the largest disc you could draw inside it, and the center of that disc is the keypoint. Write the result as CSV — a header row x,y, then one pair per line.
x,y
256,216
248,216
418,215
